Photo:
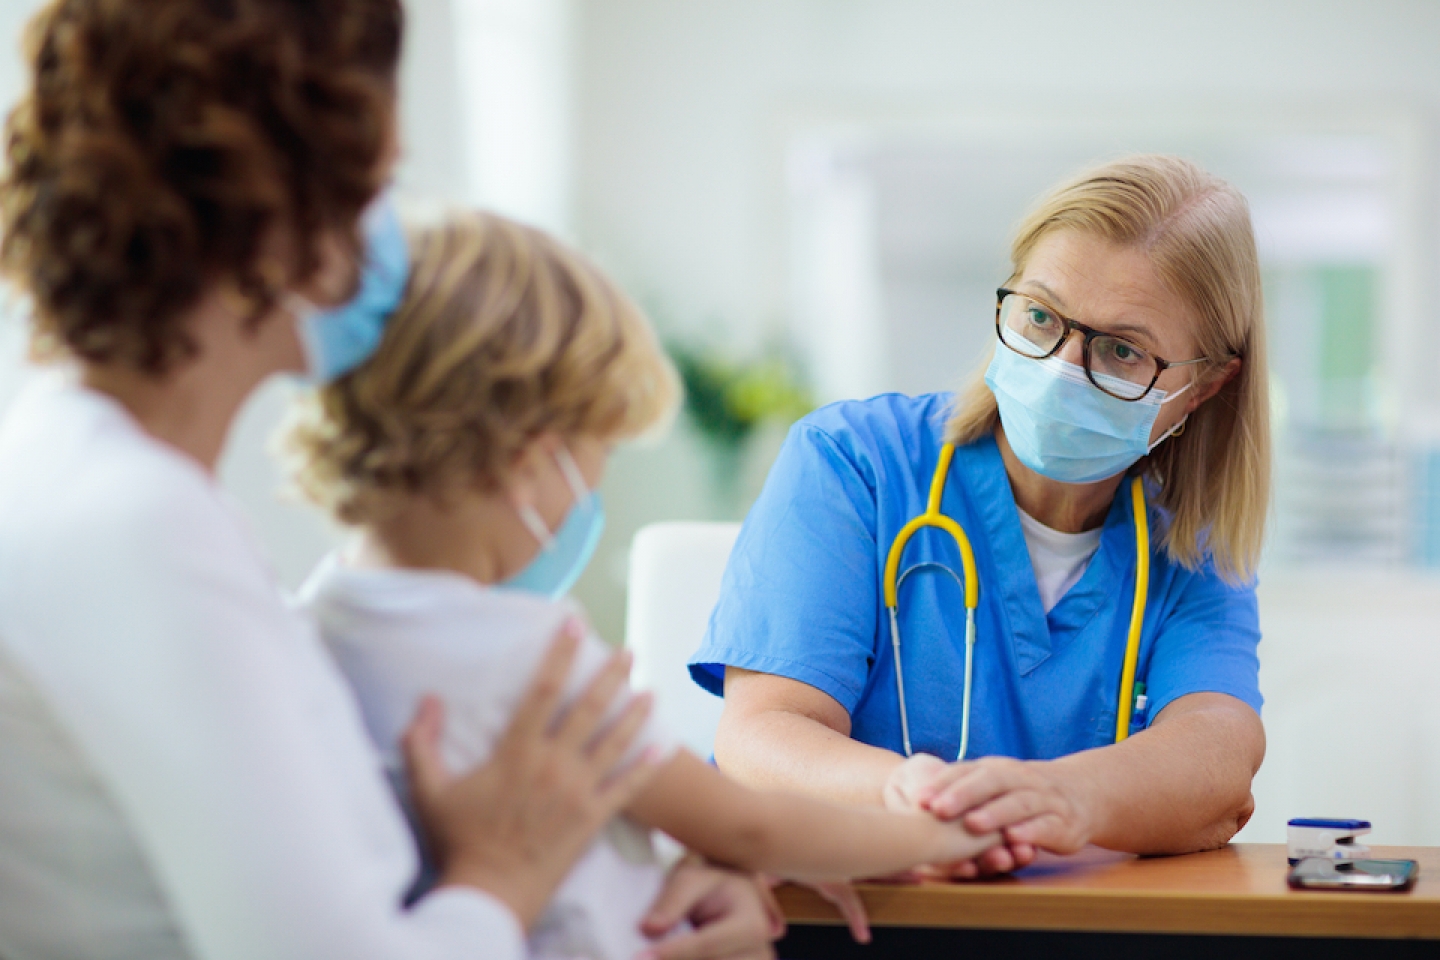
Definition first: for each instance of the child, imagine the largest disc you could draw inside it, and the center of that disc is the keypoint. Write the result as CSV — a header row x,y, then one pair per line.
x,y
467,452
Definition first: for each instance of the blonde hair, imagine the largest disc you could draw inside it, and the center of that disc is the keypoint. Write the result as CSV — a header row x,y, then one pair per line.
x,y
1214,478
504,334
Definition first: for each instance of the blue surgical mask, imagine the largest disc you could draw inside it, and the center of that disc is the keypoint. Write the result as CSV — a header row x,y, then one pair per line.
x,y
564,553
338,339
1062,427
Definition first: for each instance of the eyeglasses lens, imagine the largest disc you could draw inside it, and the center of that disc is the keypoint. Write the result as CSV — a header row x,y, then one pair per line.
x,y
1027,327
1120,368
1116,366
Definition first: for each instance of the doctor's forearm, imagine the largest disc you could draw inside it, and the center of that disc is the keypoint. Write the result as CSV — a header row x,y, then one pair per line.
x,y
779,734
783,751
1181,786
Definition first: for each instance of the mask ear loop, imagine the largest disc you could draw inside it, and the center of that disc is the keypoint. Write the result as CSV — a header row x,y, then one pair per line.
x,y
573,476
1176,430
530,517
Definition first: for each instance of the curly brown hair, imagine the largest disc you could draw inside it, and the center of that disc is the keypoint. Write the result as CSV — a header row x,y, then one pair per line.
x,y
162,142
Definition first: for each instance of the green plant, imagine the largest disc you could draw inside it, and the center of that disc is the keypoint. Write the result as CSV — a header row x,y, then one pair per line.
x,y
726,400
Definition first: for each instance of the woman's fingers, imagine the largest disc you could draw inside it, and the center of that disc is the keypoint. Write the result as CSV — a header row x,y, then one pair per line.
x,y
421,746
1009,809
586,716
612,743
536,712
1022,849
1031,801
1051,832
628,783
979,783
994,861
939,781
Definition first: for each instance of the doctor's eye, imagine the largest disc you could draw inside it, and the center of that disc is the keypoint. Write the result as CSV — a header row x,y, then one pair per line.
x,y
1118,358
1038,316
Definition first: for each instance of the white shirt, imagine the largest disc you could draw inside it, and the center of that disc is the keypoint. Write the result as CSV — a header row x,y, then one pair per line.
x,y
183,772
400,634
1059,558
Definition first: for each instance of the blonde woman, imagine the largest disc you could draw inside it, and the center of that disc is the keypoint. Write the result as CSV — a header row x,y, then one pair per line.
x,y
1130,347
466,453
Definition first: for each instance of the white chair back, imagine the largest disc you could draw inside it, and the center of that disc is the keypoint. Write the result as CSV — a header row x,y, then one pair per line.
x,y
675,571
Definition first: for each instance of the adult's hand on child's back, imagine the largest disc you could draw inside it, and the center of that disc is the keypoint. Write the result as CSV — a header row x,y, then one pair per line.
x,y
516,825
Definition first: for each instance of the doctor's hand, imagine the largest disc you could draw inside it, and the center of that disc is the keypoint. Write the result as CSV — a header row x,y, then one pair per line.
x,y
516,825
733,915
918,784
1034,803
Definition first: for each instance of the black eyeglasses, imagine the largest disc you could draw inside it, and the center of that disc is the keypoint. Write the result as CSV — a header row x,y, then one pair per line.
x,y
1034,329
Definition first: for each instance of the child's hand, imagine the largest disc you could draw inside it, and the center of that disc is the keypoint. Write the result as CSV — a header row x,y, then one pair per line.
x,y
914,783
733,915
845,899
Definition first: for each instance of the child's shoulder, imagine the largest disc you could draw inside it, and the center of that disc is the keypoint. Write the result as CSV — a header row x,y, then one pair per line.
x,y
444,611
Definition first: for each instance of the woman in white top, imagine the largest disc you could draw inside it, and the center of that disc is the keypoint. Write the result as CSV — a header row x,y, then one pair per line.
x,y
182,771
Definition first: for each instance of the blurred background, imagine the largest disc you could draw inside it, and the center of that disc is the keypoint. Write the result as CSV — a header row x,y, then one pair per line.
x,y
814,198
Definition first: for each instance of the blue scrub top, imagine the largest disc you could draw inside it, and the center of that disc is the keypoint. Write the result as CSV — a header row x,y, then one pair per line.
x,y
802,598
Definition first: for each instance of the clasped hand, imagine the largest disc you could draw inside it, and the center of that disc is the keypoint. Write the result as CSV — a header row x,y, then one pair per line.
x,y
1033,803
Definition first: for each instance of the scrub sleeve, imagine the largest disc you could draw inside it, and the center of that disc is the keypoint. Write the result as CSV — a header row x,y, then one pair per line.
x,y
799,596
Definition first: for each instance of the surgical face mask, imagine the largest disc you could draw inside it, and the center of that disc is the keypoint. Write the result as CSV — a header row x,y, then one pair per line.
x,y
564,553
338,339
1062,427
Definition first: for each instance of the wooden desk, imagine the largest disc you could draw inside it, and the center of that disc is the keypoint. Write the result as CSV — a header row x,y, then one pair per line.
x,y
1170,906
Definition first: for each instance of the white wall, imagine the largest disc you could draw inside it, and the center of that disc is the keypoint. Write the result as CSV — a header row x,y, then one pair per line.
x,y
685,110
1348,669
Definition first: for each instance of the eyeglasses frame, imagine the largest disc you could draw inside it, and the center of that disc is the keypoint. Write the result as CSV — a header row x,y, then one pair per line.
x,y
1089,333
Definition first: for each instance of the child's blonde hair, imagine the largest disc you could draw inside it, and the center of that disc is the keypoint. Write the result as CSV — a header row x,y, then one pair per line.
x,y
504,334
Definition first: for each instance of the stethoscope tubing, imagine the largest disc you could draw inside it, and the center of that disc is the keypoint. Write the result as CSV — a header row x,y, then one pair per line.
x,y
932,517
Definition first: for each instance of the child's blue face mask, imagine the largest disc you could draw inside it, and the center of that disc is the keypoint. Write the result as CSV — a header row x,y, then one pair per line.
x,y
1062,427
338,339
564,554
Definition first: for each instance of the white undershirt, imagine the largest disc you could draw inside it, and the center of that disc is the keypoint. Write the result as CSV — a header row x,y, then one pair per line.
x,y
1059,558
183,771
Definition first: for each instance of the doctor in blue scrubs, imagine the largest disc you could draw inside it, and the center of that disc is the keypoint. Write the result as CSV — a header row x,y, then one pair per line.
x,y
1129,344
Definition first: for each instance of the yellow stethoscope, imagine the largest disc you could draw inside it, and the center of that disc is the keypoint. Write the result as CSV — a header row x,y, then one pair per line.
x,y
932,517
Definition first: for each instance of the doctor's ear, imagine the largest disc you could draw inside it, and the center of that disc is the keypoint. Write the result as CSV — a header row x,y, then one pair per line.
x,y
1213,384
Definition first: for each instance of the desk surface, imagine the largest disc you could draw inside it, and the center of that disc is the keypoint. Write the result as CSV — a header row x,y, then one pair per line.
x,y
1239,889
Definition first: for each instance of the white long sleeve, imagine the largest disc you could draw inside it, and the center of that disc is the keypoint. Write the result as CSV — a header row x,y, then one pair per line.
x,y
146,624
